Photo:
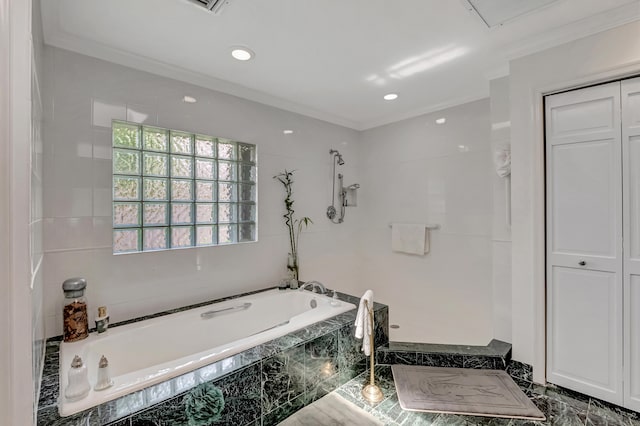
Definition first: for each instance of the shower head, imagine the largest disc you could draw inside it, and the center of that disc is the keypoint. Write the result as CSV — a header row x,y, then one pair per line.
x,y
337,155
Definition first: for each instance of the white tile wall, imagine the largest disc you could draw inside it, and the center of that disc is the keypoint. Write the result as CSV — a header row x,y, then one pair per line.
x,y
414,170
501,228
36,226
419,172
501,275
82,96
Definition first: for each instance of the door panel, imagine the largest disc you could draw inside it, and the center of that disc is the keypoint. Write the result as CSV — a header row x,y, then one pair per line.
x,y
632,343
586,117
632,106
585,311
633,195
583,198
631,220
584,241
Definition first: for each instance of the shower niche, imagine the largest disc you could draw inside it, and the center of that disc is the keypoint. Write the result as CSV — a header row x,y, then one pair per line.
x,y
351,195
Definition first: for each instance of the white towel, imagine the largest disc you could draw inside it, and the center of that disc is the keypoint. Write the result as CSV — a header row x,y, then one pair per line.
x,y
410,238
363,323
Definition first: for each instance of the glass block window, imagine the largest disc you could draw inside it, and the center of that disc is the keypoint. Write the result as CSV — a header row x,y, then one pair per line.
x,y
174,189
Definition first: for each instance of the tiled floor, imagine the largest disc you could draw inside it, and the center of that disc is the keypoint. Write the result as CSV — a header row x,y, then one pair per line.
x,y
561,407
332,410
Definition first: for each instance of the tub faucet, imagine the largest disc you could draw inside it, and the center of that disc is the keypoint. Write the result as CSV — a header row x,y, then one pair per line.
x,y
314,284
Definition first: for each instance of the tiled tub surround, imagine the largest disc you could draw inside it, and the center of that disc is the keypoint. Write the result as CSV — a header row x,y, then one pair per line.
x,y
230,327
265,383
495,355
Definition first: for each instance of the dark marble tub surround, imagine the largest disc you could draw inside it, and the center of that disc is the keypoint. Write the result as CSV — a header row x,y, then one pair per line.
x,y
495,355
494,348
241,391
290,371
49,385
300,375
520,370
134,402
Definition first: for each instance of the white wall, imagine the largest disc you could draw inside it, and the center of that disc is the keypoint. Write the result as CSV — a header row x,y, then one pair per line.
x,y
82,96
36,222
416,171
438,180
501,228
5,215
604,56
16,332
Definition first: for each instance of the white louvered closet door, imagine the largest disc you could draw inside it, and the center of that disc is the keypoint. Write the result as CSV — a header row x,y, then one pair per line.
x,y
584,241
631,220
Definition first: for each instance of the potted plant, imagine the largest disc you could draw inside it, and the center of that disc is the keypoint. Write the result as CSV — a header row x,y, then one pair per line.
x,y
294,225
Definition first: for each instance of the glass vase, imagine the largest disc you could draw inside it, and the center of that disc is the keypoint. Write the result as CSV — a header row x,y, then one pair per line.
x,y
292,265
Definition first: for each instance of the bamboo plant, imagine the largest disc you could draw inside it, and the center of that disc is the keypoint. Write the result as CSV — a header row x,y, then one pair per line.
x,y
293,225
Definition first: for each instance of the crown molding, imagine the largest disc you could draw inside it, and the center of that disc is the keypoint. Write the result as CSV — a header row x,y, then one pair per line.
x,y
579,29
499,71
56,37
426,110
59,39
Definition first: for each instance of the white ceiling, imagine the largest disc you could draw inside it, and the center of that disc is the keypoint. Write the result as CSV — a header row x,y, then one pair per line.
x,y
330,59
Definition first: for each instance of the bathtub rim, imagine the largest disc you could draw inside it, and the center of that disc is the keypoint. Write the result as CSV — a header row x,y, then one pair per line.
x,y
47,407
69,408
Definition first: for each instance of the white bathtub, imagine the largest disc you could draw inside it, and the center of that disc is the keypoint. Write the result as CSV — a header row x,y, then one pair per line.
x,y
152,351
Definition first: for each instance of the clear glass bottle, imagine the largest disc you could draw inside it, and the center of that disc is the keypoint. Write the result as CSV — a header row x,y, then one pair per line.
x,y
102,320
74,313
78,381
292,266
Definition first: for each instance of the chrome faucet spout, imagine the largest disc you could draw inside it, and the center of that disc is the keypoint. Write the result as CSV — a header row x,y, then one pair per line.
x,y
314,284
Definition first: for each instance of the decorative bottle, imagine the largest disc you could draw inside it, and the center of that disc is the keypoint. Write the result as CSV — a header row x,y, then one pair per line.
x,y
78,386
74,313
104,376
102,320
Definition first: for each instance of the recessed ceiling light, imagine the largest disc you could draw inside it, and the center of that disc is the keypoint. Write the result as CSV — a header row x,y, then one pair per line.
x,y
242,53
287,132
441,120
391,97
189,99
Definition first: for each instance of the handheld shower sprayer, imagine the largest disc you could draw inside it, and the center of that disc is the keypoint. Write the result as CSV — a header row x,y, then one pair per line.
x,y
336,158
332,213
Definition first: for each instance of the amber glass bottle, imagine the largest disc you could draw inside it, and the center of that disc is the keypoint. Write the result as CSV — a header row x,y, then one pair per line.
x,y
74,313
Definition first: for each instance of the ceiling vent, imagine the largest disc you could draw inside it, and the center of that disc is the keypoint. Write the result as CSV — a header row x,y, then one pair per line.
x,y
494,13
215,6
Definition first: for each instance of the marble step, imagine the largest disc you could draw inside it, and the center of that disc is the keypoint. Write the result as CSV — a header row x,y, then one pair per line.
x,y
496,355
